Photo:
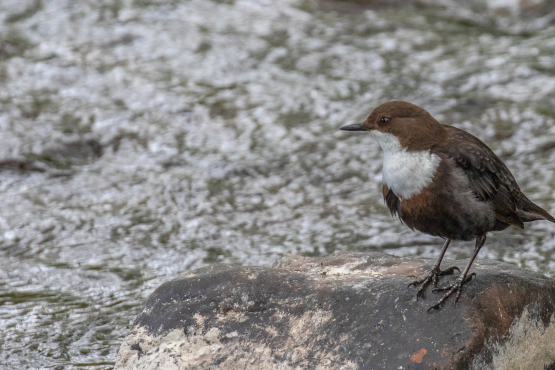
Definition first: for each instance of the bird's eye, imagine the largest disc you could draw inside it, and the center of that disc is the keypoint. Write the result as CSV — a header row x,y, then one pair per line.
x,y
385,119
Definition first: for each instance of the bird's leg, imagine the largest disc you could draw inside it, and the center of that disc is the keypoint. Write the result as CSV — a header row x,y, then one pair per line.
x,y
435,273
463,279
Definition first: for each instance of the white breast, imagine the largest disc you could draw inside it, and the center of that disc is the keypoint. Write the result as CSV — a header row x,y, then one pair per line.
x,y
406,173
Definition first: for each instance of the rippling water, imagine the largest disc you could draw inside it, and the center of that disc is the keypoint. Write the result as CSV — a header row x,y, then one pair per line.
x,y
142,139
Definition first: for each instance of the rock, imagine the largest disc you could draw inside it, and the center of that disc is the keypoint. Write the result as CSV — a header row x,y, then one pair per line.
x,y
344,311
77,152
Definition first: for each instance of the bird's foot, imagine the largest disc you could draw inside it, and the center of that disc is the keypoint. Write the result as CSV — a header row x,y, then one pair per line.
x,y
451,289
433,276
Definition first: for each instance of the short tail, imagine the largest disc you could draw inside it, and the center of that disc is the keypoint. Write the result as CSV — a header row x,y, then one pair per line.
x,y
532,212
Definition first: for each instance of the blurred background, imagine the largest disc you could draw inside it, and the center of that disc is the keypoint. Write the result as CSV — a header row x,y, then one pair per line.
x,y
141,139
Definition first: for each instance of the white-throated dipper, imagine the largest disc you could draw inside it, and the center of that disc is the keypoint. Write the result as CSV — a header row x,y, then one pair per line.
x,y
445,182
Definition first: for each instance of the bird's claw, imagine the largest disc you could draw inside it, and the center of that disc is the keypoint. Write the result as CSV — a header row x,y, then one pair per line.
x,y
449,271
433,276
455,287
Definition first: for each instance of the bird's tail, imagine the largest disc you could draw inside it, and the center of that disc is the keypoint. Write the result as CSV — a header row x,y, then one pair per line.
x,y
532,212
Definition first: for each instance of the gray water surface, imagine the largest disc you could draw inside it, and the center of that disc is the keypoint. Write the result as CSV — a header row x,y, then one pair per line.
x,y
142,139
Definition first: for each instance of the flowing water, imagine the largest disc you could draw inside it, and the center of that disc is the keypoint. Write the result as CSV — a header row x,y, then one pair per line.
x,y
142,139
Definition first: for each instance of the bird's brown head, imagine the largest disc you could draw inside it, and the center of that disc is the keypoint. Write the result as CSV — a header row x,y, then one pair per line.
x,y
413,126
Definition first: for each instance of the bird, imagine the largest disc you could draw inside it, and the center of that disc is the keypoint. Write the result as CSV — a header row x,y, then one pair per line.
x,y
445,182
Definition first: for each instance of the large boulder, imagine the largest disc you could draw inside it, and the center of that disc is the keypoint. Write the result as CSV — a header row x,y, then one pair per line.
x,y
344,311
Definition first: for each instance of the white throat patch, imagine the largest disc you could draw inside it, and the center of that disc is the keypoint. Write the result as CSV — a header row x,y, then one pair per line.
x,y
406,173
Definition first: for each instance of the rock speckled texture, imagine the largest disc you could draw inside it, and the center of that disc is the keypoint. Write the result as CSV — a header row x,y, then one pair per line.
x,y
344,311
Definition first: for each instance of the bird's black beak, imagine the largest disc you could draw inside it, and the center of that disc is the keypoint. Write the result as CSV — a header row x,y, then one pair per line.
x,y
354,127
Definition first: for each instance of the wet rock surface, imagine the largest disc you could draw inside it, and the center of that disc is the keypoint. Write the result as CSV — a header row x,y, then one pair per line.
x,y
344,311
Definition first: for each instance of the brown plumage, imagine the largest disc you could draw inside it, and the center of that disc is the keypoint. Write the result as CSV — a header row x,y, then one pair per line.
x,y
445,182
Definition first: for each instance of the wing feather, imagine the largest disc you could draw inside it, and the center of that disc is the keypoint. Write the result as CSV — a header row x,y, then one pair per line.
x,y
488,176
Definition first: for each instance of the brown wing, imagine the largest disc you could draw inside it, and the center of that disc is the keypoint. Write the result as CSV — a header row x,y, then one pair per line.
x,y
489,178
391,201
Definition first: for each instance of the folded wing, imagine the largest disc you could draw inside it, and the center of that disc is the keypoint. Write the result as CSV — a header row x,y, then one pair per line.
x,y
489,178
